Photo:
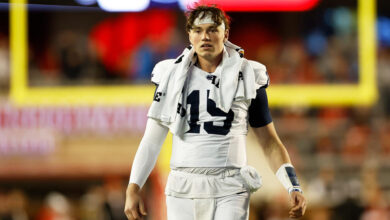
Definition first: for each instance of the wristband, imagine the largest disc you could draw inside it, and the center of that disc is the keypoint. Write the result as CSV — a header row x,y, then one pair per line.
x,y
287,176
296,189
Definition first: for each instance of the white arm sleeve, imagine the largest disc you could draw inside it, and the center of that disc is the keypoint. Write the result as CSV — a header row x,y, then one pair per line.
x,y
147,152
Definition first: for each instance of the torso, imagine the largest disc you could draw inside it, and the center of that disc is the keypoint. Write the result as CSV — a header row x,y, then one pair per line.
x,y
215,138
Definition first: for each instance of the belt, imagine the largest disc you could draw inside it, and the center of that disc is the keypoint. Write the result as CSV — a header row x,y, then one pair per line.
x,y
222,172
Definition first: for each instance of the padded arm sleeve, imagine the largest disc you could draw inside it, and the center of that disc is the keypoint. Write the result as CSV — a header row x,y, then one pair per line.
x,y
147,152
259,114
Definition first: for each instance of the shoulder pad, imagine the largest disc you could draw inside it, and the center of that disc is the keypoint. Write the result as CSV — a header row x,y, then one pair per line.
x,y
159,69
261,75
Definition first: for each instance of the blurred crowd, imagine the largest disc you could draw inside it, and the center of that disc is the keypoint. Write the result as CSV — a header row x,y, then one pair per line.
x,y
118,49
97,203
342,154
97,200
123,48
335,190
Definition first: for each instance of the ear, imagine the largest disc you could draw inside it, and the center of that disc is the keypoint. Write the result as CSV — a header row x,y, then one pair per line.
x,y
226,35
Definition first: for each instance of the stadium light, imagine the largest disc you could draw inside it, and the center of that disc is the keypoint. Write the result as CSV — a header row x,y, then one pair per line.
x,y
123,5
86,2
227,5
255,5
165,1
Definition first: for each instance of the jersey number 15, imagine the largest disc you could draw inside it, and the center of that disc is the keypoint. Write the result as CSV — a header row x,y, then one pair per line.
x,y
194,100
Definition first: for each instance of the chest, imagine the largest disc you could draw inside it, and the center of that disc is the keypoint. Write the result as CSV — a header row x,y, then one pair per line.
x,y
201,111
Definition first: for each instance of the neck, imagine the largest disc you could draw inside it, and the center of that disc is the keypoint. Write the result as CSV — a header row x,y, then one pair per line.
x,y
209,65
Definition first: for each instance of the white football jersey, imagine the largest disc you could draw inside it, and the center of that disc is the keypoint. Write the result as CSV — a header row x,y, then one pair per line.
x,y
215,138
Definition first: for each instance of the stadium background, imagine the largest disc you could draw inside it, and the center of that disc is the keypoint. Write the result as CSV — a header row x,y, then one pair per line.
x,y
74,92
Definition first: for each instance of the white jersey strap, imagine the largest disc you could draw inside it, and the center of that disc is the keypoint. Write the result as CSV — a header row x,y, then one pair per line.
x,y
287,176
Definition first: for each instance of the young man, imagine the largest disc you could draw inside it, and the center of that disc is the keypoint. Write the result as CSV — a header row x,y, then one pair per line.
x,y
206,98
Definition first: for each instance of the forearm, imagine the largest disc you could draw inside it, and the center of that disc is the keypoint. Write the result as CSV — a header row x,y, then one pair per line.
x,y
277,156
275,153
282,167
147,153
273,148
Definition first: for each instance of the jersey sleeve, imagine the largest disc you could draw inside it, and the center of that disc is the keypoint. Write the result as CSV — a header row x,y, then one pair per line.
x,y
261,75
259,114
159,69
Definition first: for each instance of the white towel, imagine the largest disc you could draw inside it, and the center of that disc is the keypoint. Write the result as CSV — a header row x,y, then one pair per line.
x,y
232,65
251,177
172,76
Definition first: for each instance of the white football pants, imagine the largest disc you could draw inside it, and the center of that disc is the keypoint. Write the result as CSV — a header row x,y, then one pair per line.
x,y
232,207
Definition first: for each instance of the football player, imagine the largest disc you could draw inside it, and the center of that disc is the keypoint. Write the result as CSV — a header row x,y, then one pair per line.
x,y
206,98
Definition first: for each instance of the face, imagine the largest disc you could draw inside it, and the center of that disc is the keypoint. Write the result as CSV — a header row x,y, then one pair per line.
x,y
208,40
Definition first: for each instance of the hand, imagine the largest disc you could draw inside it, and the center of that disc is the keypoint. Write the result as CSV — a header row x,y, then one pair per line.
x,y
134,206
298,205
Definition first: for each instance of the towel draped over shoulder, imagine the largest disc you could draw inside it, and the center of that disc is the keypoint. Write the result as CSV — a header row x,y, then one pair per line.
x,y
239,80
